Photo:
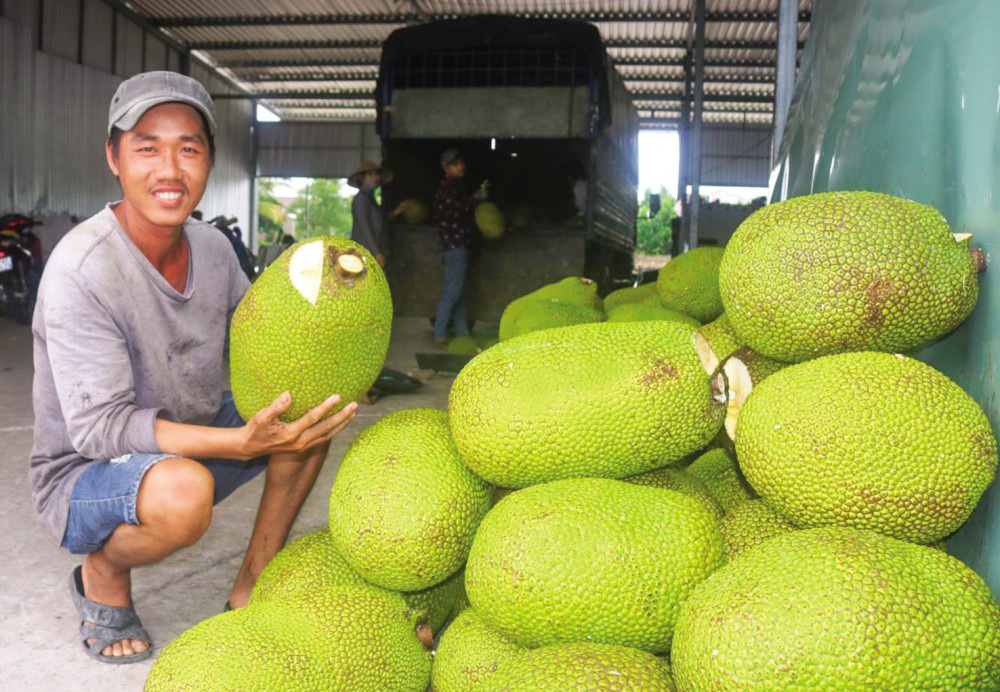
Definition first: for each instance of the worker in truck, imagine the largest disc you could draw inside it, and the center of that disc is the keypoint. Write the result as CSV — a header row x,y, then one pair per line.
x,y
136,437
368,222
453,208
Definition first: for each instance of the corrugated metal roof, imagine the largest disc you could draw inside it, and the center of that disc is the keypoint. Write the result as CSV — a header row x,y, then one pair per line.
x,y
333,47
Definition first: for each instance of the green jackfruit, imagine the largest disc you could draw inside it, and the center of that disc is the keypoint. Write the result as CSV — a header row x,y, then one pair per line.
x,y
751,523
870,440
313,562
573,289
681,481
609,400
490,221
839,609
415,212
333,638
649,310
582,667
690,283
591,559
720,473
845,271
721,337
316,323
464,345
469,652
551,314
404,506
631,294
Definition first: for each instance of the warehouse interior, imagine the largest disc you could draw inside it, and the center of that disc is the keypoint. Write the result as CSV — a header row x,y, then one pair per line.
x,y
719,73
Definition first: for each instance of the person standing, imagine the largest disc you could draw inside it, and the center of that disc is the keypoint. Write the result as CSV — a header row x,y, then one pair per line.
x,y
368,222
453,209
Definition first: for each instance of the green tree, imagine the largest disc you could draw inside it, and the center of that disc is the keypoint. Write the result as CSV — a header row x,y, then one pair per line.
x,y
270,212
653,233
320,209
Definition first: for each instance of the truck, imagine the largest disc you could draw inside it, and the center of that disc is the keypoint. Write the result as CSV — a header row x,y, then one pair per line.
x,y
532,104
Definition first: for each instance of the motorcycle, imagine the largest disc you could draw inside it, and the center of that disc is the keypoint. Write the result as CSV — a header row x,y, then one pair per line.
x,y
20,266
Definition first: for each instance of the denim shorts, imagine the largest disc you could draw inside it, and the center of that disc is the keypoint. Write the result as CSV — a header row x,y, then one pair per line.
x,y
105,495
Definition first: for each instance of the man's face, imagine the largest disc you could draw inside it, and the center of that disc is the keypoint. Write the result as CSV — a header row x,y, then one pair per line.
x,y
373,178
163,164
455,169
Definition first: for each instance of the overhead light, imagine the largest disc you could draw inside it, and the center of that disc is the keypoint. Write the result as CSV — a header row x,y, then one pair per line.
x,y
493,144
266,116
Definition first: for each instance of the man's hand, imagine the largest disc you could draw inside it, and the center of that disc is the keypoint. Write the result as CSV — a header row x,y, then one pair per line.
x,y
265,434
400,208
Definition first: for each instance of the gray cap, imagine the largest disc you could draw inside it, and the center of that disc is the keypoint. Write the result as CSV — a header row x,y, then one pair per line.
x,y
138,94
450,156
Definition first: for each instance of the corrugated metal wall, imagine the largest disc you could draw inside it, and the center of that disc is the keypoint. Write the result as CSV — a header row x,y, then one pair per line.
x,y
316,150
54,110
734,155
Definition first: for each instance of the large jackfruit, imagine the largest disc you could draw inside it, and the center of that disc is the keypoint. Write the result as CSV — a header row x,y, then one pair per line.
x,y
870,440
720,473
751,523
469,652
550,314
573,289
591,559
845,271
837,608
649,310
631,294
683,482
404,506
490,221
316,323
582,667
690,283
608,399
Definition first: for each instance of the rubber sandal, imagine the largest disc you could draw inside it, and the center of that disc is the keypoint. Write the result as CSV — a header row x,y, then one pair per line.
x,y
108,625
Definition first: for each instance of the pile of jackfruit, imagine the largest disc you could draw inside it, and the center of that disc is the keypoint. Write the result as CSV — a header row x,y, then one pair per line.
x,y
745,482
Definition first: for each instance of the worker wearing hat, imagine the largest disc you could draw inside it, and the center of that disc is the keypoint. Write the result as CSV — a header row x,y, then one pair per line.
x,y
136,436
368,222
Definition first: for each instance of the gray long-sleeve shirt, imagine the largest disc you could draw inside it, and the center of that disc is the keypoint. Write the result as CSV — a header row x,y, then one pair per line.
x,y
116,346
368,225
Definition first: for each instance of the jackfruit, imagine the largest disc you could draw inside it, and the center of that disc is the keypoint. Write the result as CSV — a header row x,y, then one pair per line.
x,y
845,271
608,400
681,481
690,283
415,212
469,652
490,221
591,559
464,345
582,667
334,638
869,440
631,294
649,310
550,314
316,323
721,337
837,608
573,289
751,523
720,473
313,562
404,507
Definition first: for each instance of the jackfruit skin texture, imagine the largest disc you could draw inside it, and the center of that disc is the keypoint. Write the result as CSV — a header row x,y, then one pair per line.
x,y
312,562
279,341
869,440
631,294
334,638
582,667
677,479
845,271
606,400
591,559
551,314
404,506
490,220
751,523
690,283
415,213
649,310
837,608
464,345
721,337
721,474
470,651
760,367
573,289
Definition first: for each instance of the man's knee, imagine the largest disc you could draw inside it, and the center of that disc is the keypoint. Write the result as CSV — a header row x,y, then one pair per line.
x,y
176,496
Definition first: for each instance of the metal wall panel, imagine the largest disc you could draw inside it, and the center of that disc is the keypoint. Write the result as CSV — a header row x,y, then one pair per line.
x,y
315,150
97,37
738,156
61,27
156,54
173,60
128,56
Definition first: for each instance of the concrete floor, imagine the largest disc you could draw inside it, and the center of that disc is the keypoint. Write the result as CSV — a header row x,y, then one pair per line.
x,y
39,644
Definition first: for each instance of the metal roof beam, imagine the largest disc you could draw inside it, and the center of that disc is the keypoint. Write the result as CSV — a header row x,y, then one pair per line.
x,y
409,18
365,95
373,76
321,62
323,44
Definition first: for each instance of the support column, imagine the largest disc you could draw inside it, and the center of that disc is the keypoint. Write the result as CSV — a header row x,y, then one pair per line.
x,y
684,165
788,30
696,124
255,141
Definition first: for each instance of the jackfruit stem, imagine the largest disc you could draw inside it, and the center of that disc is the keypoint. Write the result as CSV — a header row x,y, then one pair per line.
x,y
349,266
424,635
980,258
739,385
709,361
